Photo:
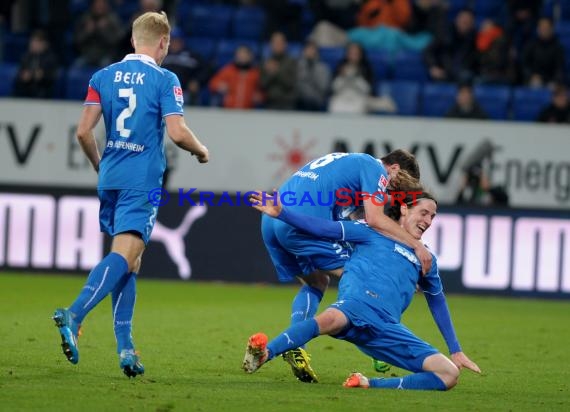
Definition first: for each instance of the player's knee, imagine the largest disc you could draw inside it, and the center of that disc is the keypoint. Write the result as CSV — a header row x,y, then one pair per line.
x,y
318,280
450,376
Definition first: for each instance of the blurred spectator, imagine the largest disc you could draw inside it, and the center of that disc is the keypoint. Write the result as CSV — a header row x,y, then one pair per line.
x,y
190,67
285,16
125,46
558,111
279,75
341,13
38,69
522,18
429,16
238,81
476,187
543,58
313,79
466,107
352,85
494,56
392,13
97,34
455,57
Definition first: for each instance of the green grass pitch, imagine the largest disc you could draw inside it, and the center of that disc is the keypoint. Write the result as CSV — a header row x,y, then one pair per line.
x,y
192,338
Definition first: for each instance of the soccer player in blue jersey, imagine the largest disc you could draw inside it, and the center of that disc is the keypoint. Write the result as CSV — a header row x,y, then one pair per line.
x,y
325,188
137,98
377,286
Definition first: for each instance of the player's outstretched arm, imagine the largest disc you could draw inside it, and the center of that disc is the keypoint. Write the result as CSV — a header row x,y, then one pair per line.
x,y
376,218
87,122
184,138
440,312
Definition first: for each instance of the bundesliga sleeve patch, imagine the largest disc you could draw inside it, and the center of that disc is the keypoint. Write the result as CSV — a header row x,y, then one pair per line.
x,y
383,183
178,95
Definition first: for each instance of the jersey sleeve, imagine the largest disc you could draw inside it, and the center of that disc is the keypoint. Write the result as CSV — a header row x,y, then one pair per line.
x,y
93,91
431,282
374,179
171,97
351,231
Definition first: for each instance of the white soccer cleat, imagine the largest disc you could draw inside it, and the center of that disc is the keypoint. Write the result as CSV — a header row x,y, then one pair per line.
x,y
255,352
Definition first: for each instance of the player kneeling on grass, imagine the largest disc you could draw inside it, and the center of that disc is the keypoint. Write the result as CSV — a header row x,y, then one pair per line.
x,y
377,286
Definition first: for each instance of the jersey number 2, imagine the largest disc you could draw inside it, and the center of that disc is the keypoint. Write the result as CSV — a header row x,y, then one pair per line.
x,y
126,112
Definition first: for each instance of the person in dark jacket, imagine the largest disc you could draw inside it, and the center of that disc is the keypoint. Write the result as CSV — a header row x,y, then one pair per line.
x,y
466,107
558,111
543,59
38,69
454,58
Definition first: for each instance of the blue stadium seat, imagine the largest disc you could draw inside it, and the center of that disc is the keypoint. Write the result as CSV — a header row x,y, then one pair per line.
x,y
331,56
8,72
494,100
15,46
437,99
528,102
59,86
380,64
208,21
248,23
406,94
564,9
562,29
409,66
226,50
493,9
455,6
204,46
77,81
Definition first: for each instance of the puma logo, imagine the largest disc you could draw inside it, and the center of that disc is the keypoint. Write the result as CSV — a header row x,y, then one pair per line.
x,y
173,239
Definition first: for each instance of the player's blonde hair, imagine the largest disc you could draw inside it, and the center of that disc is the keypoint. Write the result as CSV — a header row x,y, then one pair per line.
x,y
150,27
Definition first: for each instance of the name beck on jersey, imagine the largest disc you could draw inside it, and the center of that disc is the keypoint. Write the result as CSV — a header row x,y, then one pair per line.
x,y
129,77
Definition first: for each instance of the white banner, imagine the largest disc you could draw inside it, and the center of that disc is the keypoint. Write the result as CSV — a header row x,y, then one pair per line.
x,y
259,149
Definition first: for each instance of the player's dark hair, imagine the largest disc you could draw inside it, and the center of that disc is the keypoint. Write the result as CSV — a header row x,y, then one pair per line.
x,y
393,209
405,159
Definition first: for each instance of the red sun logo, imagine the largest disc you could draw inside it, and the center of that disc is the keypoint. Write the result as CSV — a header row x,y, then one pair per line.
x,y
294,154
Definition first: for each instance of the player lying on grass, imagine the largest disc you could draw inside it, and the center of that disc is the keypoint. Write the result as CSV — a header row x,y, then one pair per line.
x,y
312,190
377,285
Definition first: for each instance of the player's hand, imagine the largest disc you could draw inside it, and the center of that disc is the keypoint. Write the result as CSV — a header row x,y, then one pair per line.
x,y
204,155
267,203
462,361
424,256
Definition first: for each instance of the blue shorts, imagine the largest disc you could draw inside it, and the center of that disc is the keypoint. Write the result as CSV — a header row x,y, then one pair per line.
x,y
296,253
126,211
381,339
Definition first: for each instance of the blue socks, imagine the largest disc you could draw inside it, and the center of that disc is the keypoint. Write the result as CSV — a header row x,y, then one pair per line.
x,y
123,300
305,304
297,335
103,279
417,381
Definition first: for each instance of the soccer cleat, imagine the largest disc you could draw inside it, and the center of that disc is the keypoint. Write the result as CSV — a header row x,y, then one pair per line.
x,y
381,366
356,380
130,363
69,331
255,352
299,361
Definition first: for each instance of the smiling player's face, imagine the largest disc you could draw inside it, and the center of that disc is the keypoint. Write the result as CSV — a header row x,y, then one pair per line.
x,y
417,219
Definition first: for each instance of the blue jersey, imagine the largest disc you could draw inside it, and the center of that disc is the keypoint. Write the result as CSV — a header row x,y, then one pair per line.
x,y
135,95
383,273
327,186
